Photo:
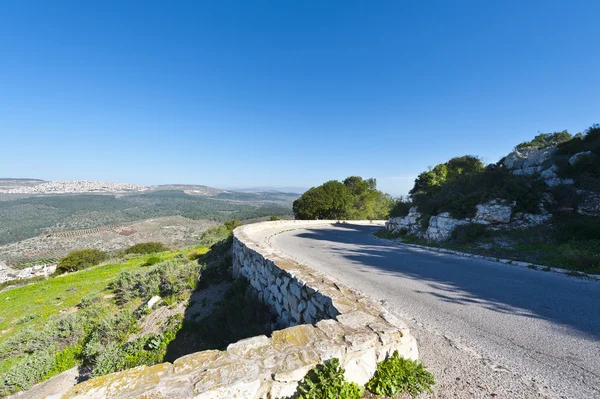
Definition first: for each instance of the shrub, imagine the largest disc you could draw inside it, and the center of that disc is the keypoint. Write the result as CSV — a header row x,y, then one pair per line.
x,y
81,259
27,371
398,375
326,381
468,233
166,279
147,248
401,207
544,140
152,260
274,218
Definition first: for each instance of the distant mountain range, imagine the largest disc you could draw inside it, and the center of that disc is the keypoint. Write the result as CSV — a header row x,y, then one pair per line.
x,y
25,186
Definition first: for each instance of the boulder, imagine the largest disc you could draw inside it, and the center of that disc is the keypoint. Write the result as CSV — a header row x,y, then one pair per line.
x,y
441,227
528,157
494,211
409,224
575,158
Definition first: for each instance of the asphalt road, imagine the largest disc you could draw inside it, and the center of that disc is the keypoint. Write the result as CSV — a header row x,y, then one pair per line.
x,y
485,329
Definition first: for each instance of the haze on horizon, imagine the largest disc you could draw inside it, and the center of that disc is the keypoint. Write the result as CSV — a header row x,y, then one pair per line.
x,y
254,94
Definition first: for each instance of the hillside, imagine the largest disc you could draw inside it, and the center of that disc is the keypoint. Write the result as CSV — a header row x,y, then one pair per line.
x,y
34,208
539,204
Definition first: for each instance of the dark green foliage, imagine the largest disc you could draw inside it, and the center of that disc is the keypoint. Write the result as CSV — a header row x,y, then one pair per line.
x,y
574,227
460,195
232,224
397,375
543,140
565,197
469,233
401,207
432,180
30,369
326,381
586,171
273,218
356,198
328,201
81,259
147,248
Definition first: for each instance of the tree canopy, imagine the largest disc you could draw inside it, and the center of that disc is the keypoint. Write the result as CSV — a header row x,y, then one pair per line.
x,y
355,198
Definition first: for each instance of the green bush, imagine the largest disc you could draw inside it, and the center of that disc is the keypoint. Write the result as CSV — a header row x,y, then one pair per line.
x,y
397,375
81,259
326,381
27,371
147,248
544,140
461,195
166,279
401,207
469,233
273,218
152,260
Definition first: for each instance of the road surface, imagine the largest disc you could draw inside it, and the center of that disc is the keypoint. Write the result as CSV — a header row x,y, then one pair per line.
x,y
485,329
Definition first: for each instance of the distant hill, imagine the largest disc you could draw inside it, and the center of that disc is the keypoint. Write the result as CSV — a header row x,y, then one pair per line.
x,y
31,207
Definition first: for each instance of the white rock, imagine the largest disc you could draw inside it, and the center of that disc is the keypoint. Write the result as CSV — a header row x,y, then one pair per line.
x,y
153,301
495,211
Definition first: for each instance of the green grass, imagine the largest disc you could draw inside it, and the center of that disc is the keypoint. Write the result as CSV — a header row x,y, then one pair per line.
x,y
43,299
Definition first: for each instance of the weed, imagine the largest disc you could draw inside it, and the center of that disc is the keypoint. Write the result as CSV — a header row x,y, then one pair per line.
x,y
397,375
326,381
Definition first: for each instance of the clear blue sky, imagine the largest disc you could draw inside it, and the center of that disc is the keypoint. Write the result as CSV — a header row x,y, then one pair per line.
x,y
282,93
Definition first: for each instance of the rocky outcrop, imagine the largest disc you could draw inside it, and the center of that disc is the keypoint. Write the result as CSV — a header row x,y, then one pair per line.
x,y
344,324
441,227
409,224
494,212
528,160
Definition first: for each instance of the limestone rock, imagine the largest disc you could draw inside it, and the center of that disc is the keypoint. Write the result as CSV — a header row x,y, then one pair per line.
x,y
495,211
441,227
528,157
251,347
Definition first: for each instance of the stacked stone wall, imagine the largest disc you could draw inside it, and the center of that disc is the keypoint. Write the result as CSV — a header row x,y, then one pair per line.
x,y
322,319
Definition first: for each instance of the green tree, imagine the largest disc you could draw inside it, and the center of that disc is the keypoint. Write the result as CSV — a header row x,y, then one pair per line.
x,y
355,198
331,200
429,182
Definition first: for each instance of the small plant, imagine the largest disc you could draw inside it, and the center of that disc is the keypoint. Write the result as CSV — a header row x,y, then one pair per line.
x,y
154,342
397,375
326,381
273,218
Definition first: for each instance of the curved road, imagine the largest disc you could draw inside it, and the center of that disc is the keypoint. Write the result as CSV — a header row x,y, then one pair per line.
x,y
485,329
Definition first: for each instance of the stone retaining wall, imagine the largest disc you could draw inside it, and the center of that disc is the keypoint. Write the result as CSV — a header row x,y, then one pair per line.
x,y
339,323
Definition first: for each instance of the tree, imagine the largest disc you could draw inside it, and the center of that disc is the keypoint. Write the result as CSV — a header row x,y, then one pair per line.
x,y
355,198
331,200
430,182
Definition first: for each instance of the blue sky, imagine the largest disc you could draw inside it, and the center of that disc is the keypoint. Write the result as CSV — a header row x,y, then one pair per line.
x,y
281,93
